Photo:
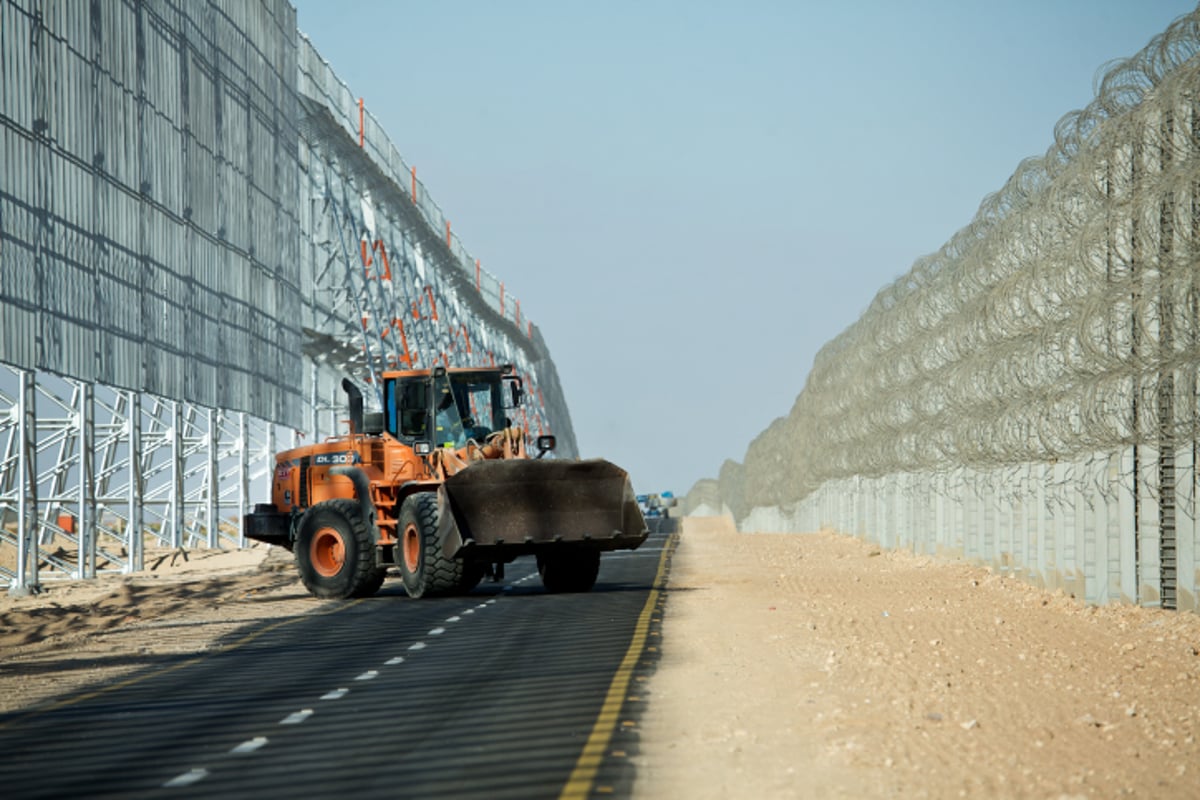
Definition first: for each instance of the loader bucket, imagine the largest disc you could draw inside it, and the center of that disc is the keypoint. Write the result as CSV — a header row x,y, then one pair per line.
x,y
523,505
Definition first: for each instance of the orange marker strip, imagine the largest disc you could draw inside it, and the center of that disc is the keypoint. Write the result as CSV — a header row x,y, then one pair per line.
x,y
387,268
432,305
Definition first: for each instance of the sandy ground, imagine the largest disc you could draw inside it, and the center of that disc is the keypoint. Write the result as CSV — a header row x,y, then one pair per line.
x,y
792,666
76,634
816,666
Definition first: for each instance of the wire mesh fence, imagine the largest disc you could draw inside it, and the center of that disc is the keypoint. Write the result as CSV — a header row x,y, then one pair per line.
x,y
1059,330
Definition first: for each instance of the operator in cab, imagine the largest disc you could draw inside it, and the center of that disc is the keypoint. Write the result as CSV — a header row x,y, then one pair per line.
x,y
454,428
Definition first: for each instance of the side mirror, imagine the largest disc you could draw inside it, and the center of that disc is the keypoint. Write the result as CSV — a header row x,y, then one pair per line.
x,y
545,444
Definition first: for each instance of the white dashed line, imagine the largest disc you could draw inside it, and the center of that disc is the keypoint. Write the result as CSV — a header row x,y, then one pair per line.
x,y
258,742
250,745
186,779
296,718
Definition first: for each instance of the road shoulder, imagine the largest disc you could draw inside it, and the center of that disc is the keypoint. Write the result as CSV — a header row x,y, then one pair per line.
x,y
801,665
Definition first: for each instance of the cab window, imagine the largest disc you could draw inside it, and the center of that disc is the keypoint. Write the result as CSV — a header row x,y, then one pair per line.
x,y
412,405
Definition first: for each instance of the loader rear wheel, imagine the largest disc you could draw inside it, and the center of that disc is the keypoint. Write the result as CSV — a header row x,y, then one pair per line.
x,y
335,554
569,572
426,570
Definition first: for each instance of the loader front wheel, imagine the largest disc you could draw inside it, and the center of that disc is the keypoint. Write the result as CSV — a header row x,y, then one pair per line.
x,y
426,570
473,573
335,554
569,572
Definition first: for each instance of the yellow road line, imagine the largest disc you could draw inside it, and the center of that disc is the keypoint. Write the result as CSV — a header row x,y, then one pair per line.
x,y
579,785
112,687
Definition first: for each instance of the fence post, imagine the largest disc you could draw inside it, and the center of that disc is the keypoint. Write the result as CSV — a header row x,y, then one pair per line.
x,y
1085,567
1148,528
28,557
1037,524
1185,528
1005,529
958,514
1126,483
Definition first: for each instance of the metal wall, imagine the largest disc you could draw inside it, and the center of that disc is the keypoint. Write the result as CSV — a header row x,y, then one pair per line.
x,y
148,204
201,232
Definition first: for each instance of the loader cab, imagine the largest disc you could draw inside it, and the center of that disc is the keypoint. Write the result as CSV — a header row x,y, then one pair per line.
x,y
448,408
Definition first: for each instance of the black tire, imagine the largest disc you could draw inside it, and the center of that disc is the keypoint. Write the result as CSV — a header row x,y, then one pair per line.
x,y
426,571
373,582
335,553
573,571
473,573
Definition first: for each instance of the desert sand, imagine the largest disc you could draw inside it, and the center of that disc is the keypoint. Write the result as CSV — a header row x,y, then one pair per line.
x,y
815,665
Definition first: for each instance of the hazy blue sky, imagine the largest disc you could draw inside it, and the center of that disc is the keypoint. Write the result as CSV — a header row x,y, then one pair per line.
x,y
691,198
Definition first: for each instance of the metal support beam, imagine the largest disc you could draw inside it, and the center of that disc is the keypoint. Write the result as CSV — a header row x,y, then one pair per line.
x,y
175,499
243,451
26,580
212,479
135,518
86,518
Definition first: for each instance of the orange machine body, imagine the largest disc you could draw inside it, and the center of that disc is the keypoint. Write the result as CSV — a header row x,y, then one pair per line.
x,y
440,484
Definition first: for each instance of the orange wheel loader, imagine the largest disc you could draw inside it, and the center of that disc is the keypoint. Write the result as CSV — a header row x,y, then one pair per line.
x,y
439,484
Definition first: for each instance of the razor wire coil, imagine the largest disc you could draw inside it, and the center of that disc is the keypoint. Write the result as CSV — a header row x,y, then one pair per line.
x,y
1064,320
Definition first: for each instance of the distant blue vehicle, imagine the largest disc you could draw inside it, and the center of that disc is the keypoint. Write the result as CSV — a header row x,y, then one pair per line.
x,y
651,505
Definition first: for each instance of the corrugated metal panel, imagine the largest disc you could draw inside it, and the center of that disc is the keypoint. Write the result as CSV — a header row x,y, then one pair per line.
x,y
161,70
16,60
149,131
163,140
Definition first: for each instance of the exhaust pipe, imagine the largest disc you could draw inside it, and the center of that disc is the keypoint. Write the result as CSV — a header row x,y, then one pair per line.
x,y
354,397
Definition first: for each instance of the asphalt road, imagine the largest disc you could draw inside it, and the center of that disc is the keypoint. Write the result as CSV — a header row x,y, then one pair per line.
x,y
507,692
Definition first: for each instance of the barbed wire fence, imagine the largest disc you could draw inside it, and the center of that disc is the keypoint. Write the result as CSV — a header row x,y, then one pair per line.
x,y
1027,395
